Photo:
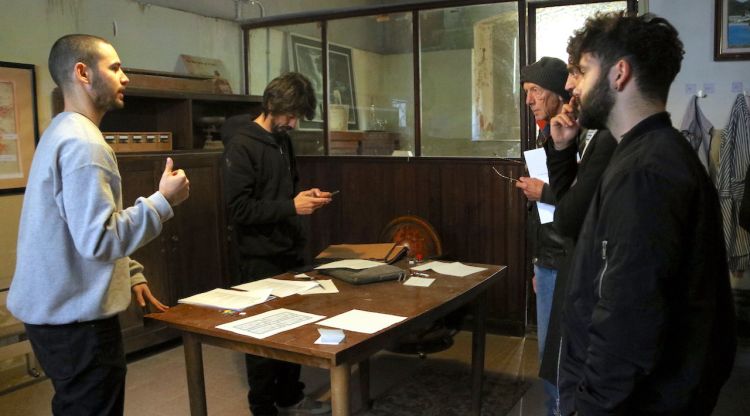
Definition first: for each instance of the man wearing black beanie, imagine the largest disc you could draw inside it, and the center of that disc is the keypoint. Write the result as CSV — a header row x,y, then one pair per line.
x,y
544,85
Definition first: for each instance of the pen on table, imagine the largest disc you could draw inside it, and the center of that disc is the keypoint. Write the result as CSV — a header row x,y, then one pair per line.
x,y
503,176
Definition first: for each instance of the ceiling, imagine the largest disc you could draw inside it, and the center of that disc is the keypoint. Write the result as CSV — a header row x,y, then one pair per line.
x,y
224,9
228,9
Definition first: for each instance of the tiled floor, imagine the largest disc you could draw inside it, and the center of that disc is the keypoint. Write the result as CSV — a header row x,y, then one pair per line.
x,y
156,384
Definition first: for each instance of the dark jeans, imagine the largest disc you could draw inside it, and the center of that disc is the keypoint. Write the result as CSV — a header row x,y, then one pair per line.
x,y
86,363
272,382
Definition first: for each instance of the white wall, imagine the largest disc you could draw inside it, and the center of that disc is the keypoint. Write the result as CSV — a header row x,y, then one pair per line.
x,y
694,19
148,37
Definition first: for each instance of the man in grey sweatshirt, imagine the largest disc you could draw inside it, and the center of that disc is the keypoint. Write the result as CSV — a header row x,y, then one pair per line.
x,y
73,274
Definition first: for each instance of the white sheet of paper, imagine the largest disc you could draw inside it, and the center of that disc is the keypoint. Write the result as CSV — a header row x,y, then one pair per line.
x,y
419,281
330,336
536,160
362,321
227,299
279,288
270,323
326,286
302,276
451,269
355,264
546,212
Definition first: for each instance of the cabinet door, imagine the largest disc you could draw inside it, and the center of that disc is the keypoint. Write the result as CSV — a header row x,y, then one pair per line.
x,y
140,177
195,235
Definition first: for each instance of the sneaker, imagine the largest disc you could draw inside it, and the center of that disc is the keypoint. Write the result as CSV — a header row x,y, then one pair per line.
x,y
306,406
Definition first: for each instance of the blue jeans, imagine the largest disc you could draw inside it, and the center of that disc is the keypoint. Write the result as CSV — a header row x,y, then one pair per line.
x,y
545,288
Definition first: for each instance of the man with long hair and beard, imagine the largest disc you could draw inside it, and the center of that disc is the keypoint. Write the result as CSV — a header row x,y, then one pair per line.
x,y
265,210
648,326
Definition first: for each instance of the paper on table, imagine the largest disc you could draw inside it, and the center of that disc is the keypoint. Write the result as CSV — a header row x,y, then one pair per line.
x,y
330,336
302,276
279,288
362,321
228,299
326,286
451,269
419,281
356,264
536,160
270,323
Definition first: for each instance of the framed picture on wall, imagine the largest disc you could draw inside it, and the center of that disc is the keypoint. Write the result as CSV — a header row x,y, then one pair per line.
x,y
732,30
308,60
18,124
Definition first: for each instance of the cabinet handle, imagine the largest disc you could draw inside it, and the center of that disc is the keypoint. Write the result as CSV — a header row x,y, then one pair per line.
x,y
175,239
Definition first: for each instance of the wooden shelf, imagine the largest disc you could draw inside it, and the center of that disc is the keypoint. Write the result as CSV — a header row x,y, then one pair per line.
x,y
177,112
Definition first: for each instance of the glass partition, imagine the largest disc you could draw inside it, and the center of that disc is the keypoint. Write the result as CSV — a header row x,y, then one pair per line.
x,y
371,85
469,81
468,96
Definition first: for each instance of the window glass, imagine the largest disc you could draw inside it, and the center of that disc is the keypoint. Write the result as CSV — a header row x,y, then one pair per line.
x,y
469,79
555,25
371,85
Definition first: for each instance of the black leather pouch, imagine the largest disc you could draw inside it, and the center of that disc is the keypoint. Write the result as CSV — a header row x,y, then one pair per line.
x,y
360,277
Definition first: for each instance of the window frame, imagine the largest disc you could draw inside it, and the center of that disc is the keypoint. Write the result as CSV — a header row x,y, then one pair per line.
x,y
526,36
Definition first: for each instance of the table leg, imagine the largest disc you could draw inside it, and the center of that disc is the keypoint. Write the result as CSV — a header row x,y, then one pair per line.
x,y
477,353
195,381
364,383
340,389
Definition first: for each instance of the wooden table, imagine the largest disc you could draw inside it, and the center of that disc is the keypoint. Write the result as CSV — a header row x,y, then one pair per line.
x,y
420,305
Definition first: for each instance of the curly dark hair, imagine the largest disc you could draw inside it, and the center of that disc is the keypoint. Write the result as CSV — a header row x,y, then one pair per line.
x,y
649,43
290,93
69,50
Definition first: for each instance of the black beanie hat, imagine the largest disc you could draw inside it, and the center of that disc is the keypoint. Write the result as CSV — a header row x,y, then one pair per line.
x,y
548,73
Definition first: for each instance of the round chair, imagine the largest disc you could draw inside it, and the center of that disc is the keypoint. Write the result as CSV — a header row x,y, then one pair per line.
x,y
423,242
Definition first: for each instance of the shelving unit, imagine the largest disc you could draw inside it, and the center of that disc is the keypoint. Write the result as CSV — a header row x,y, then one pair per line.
x,y
177,112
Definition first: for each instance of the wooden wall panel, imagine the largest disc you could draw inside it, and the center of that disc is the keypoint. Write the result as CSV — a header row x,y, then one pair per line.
x,y
479,216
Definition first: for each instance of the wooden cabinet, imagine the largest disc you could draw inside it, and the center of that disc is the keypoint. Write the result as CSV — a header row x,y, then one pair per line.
x,y
346,142
190,254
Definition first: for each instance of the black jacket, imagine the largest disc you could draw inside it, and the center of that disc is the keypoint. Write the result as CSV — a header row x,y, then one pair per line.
x,y
545,242
260,183
648,325
573,185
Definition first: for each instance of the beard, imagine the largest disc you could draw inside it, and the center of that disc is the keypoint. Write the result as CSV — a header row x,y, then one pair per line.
x,y
281,129
104,98
595,109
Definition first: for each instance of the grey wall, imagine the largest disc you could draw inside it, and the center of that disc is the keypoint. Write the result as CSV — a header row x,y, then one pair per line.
x,y
694,19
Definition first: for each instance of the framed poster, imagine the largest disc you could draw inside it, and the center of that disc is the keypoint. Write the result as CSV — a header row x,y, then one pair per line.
x,y
308,60
732,30
18,124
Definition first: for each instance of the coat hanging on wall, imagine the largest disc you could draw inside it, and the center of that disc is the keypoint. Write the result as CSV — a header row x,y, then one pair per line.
x,y
734,162
697,129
